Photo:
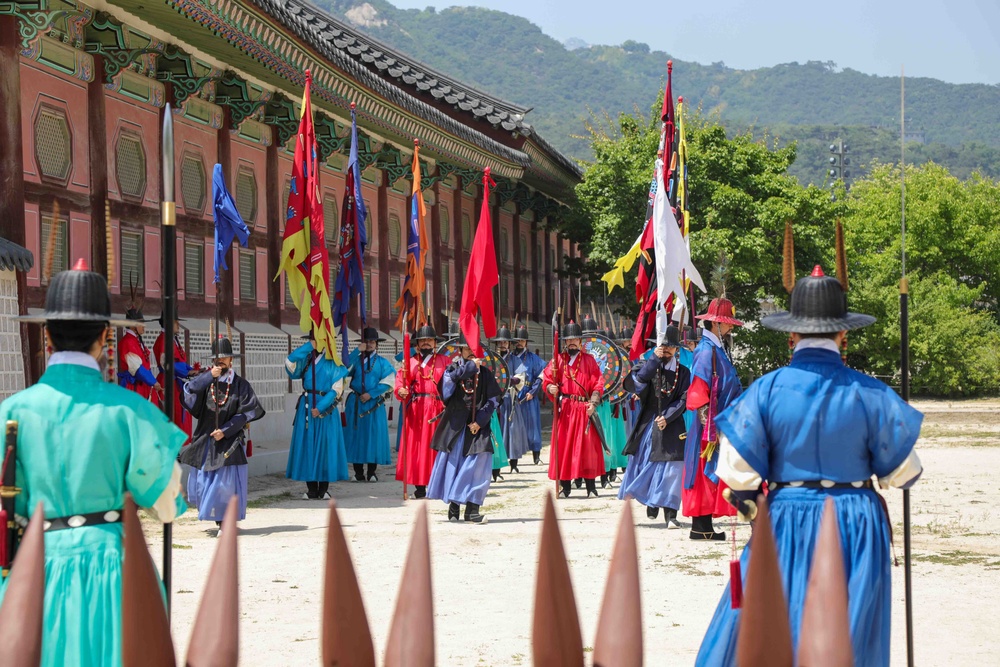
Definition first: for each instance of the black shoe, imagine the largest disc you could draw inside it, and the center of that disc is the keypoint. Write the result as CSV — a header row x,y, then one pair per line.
x,y
566,488
472,514
420,492
613,475
652,512
453,511
670,516
513,466
373,477
359,472
591,488
604,481
702,530
623,470
371,471
537,457
578,482
497,475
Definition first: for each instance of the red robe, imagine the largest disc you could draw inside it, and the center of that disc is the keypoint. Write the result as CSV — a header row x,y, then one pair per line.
x,y
416,457
181,416
137,381
577,449
705,496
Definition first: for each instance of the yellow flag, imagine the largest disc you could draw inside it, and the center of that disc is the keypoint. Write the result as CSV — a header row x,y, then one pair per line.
x,y
616,276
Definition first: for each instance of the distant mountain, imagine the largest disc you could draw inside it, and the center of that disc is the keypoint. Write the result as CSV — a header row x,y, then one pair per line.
x,y
812,103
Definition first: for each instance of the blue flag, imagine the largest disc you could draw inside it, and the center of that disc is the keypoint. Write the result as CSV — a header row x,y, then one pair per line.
x,y
353,240
228,222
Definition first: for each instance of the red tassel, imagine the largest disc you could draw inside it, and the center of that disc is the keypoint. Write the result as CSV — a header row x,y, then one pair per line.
x,y
3,539
249,448
735,584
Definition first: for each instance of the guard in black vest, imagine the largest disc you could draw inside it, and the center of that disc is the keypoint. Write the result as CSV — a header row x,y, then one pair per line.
x,y
655,448
462,469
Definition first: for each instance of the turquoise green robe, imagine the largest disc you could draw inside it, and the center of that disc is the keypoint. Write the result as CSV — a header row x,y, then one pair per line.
x,y
499,451
614,434
82,444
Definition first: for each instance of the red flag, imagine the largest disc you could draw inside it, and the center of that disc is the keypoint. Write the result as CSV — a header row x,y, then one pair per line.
x,y
481,278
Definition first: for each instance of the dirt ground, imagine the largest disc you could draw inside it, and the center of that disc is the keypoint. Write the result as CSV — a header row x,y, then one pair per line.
x,y
484,575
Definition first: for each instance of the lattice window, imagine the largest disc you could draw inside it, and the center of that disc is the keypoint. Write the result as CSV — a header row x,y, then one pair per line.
x,y
394,290
194,269
53,145
524,250
466,231
552,259
368,292
132,260
130,165
395,235
193,182
446,285
504,291
246,195
445,220
524,296
372,242
331,220
248,275
504,245
60,249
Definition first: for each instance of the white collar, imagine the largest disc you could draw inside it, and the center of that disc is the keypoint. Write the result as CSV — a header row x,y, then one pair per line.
x,y
672,364
426,360
712,337
227,377
817,344
74,359
572,359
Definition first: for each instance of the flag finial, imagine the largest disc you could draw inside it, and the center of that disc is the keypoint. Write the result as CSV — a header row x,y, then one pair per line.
x,y
353,106
680,100
309,76
670,65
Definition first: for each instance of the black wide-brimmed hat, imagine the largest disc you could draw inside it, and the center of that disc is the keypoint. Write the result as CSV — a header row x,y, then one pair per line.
x,y
572,330
818,305
503,336
369,334
521,333
160,320
691,334
77,295
221,348
590,325
671,338
425,331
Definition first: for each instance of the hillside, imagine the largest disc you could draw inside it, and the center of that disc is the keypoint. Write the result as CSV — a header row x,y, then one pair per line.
x,y
812,102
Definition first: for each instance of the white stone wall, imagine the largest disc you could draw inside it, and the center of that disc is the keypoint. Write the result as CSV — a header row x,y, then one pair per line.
x,y
11,359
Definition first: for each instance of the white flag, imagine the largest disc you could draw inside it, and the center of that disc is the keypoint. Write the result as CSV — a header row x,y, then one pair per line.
x,y
673,259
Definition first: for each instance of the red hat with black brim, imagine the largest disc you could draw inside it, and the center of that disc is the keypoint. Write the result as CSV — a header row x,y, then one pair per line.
x,y
721,310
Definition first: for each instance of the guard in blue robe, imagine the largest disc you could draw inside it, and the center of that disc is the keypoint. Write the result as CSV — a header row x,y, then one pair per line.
x,y
366,431
514,437
656,446
462,469
529,393
317,455
224,404
816,430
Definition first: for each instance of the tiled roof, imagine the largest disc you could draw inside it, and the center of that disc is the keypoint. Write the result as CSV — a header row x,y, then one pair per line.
x,y
13,257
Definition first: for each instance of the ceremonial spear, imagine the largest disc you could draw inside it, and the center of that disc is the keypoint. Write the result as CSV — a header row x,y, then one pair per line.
x,y
169,282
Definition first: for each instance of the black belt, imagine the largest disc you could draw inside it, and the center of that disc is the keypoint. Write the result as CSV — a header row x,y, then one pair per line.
x,y
419,395
83,520
573,397
817,484
314,391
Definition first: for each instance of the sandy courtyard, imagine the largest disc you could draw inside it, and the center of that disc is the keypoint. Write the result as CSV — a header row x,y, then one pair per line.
x,y
484,575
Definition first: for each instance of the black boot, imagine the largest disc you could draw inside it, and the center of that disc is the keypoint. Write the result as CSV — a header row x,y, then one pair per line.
x,y
670,516
578,482
497,475
537,457
359,472
701,529
613,475
420,492
472,513
652,512
312,491
372,477
322,490
453,511
591,487
513,465
604,480
566,488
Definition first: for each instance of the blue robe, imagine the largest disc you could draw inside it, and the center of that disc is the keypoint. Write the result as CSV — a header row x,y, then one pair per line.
x,y
818,420
531,412
515,434
367,435
317,449
729,389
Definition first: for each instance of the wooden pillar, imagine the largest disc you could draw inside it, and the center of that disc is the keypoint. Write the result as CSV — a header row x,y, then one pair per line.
x,y
519,274
98,134
461,254
12,178
273,212
226,288
385,319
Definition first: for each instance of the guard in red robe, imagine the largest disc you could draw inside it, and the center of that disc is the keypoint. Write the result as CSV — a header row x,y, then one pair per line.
x,y
421,400
574,379
181,370
134,371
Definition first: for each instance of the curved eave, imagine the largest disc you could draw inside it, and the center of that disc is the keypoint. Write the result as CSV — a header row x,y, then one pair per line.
x,y
15,258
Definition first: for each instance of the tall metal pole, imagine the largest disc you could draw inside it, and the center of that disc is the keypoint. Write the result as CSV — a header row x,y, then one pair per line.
x,y
904,344
169,282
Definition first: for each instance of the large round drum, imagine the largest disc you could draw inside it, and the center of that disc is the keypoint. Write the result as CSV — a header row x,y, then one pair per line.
x,y
451,349
608,358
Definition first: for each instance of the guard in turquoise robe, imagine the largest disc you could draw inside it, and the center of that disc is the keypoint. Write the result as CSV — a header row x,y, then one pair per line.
x,y
317,456
366,430
84,443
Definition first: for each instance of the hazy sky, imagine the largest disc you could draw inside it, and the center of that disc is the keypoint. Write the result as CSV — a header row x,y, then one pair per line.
x,y
953,40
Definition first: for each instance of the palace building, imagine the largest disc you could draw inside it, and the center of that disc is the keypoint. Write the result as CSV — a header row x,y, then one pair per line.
x,y
83,89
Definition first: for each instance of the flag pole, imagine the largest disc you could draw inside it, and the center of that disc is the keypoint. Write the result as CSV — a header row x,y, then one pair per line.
x,y
169,282
904,344
403,405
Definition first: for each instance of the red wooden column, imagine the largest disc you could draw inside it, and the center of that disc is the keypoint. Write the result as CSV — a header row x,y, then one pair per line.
x,y
12,171
519,273
273,213
385,320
